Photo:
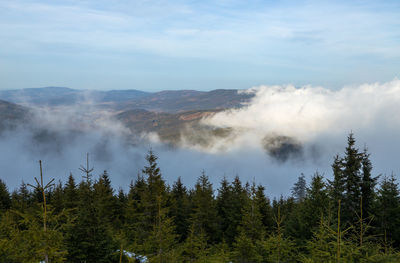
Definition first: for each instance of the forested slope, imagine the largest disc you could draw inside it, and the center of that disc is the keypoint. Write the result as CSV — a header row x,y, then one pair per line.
x,y
354,217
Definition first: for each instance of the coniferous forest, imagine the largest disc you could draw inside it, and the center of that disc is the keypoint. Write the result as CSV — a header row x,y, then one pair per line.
x,y
351,216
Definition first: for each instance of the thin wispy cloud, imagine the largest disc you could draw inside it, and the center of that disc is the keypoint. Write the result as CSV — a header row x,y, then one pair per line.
x,y
263,42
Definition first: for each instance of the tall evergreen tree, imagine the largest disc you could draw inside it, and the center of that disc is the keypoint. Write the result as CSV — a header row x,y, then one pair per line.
x,y
265,208
180,209
88,240
21,199
204,209
389,212
337,185
160,244
105,201
136,226
353,178
226,212
5,199
368,183
70,193
299,189
315,207
155,189
56,198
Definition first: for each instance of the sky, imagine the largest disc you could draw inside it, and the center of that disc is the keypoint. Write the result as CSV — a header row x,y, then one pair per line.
x,y
203,45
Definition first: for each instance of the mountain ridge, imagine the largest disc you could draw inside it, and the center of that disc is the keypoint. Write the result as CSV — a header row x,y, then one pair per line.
x,y
172,101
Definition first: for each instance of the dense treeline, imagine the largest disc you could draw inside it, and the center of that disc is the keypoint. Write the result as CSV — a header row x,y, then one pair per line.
x,y
355,217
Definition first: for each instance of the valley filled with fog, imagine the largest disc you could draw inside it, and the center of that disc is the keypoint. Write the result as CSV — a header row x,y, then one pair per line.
x,y
267,134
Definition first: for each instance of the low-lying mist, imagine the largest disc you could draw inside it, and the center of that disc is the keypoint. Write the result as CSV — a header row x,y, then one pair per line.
x,y
282,132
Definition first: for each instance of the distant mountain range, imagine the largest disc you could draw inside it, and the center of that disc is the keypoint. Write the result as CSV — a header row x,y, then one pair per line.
x,y
171,101
167,113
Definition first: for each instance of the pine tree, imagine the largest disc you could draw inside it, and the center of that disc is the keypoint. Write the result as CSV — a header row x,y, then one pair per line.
x,y
337,186
389,212
226,213
251,223
353,179
204,209
251,231
88,240
21,200
195,246
265,208
136,226
5,199
22,238
70,193
105,201
161,242
180,209
316,204
278,248
155,189
56,198
299,189
121,206
368,184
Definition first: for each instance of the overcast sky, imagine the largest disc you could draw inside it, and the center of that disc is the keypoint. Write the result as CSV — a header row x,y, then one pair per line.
x,y
204,45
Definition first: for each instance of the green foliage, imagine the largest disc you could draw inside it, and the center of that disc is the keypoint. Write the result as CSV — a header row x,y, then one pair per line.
x,y
388,212
180,209
346,219
89,238
5,199
204,209
22,238
230,202
159,246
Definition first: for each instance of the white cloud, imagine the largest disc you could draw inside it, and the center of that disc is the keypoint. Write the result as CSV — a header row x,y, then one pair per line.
x,y
309,113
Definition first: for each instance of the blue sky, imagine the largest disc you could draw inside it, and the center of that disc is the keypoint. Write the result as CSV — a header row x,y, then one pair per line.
x,y
204,45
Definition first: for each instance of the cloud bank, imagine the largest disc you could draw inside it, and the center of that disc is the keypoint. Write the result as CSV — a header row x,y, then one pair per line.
x,y
282,132
308,113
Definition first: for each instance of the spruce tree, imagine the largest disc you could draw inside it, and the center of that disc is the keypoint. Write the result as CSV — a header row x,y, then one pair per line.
x,y
389,212
155,188
316,204
195,246
56,198
70,193
204,209
337,185
88,239
368,184
251,231
160,244
180,209
299,189
226,212
21,199
5,199
353,179
120,210
265,208
105,201
136,226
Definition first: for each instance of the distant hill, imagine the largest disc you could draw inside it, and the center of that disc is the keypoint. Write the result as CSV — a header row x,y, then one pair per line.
x,y
186,100
55,96
12,115
171,114
170,127
171,101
